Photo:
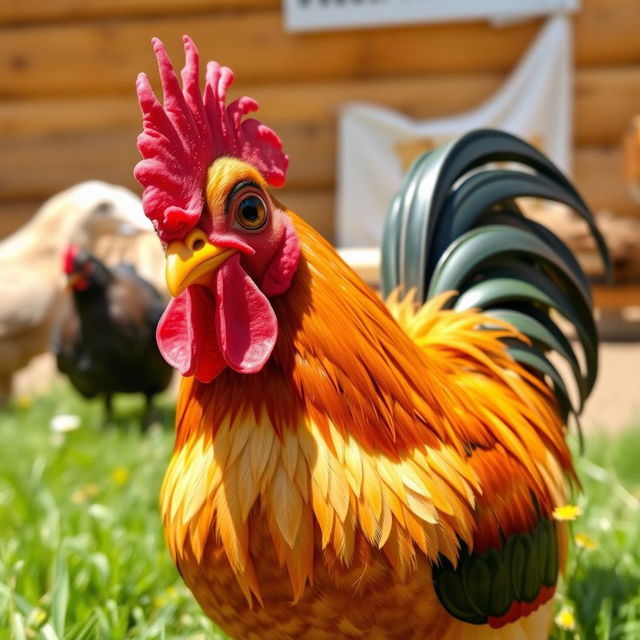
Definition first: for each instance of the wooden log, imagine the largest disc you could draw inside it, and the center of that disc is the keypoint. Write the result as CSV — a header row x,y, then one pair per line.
x,y
605,100
13,214
619,296
41,164
106,57
631,159
63,116
592,13
39,11
316,206
598,173
606,32
103,57
302,103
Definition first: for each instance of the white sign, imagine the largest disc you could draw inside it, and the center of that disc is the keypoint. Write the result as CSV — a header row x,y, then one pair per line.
x,y
316,15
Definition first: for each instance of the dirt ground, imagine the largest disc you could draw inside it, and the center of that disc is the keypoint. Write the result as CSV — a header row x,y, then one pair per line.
x,y
615,401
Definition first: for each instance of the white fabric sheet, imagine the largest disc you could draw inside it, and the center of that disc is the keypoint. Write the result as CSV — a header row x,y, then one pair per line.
x,y
534,103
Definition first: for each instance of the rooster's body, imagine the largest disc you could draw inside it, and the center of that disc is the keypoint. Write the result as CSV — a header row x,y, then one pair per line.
x,y
360,453
341,469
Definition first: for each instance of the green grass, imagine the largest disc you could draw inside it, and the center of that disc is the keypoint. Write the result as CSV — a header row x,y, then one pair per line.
x,y
82,554
81,547
602,586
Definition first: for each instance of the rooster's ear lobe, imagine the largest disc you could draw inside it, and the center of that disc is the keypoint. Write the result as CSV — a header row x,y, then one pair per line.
x,y
279,273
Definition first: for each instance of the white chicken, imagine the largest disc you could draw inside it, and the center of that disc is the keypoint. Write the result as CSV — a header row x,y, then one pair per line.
x,y
103,218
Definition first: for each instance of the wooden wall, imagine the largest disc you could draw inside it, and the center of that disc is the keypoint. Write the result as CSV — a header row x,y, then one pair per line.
x,y
68,110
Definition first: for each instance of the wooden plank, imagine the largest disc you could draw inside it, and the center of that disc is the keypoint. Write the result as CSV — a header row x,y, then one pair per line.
x,y
13,214
106,57
605,101
302,103
598,173
41,164
631,155
616,296
24,118
606,32
38,11
103,57
316,206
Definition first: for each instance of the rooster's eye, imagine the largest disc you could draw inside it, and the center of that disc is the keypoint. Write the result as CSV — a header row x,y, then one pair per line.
x,y
251,212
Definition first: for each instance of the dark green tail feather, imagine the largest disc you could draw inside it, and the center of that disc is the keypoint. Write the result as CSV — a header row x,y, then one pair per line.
x,y
484,586
449,229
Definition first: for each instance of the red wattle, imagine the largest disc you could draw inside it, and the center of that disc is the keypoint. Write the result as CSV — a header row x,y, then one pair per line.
x,y
186,335
201,333
246,325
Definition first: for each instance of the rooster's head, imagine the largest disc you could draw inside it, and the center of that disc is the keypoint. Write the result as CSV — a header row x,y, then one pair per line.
x,y
229,245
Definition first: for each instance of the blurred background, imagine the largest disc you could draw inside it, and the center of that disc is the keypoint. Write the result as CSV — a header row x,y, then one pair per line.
x,y
355,90
68,111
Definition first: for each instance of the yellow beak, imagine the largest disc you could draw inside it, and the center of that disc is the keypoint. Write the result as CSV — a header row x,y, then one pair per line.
x,y
192,261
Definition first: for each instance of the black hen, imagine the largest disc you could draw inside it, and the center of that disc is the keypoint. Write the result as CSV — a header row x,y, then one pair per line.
x,y
104,337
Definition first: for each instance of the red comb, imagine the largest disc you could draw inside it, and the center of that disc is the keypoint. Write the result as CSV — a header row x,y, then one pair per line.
x,y
184,136
69,258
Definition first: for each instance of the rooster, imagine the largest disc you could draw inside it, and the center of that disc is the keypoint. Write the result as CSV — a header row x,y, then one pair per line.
x,y
345,468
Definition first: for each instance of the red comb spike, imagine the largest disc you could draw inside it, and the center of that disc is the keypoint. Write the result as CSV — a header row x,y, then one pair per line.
x,y
69,258
181,139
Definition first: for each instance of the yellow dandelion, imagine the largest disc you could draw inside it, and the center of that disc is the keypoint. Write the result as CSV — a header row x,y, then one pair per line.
x,y
566,620
583,541
567,512
160,601
169,595
24,401
120,475
36,618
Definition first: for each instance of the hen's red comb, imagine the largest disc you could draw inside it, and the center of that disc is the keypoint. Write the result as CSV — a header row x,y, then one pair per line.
x,y
69,259
184,136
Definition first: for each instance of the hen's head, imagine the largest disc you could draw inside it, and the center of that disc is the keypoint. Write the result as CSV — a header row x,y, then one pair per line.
x,y
83,270
229,246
